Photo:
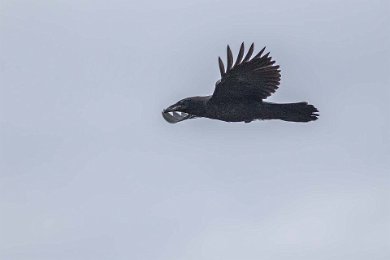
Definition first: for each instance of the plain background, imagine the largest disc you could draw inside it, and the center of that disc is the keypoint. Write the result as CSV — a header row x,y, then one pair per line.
x,y
90,170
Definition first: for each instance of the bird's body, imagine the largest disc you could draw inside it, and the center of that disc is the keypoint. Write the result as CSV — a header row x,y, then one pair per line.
x,y
247,112
234,111
238,96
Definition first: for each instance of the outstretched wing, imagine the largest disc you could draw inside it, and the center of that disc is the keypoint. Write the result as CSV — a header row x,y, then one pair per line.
x,y
248,79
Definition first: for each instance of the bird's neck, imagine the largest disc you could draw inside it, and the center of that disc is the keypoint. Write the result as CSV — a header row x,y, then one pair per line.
x,y
199,106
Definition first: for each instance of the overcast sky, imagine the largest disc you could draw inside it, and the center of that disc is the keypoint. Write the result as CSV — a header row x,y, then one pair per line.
x,y
90,170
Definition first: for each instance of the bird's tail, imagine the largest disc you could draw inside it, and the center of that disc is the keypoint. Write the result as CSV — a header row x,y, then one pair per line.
x,y
295,112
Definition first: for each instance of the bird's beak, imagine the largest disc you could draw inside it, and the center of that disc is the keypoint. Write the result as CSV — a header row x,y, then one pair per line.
x,y
172,108
174,114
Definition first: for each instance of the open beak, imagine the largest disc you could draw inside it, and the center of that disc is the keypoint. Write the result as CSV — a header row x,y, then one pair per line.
x,y
172,108
172,115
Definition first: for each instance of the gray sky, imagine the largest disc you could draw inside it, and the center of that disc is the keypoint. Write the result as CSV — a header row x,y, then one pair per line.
x,y
90,170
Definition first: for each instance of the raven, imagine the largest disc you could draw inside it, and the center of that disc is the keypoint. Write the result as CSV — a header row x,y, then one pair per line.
x,y
239,94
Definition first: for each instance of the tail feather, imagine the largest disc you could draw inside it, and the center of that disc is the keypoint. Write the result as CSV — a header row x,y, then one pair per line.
x,y
296,112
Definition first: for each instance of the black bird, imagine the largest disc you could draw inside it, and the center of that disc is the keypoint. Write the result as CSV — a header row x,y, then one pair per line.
x,y
239,94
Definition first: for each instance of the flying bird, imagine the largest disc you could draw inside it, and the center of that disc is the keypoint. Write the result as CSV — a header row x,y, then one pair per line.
x,y
239,94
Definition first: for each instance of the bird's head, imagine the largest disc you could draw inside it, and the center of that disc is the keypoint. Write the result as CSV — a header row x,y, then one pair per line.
x,y
184,109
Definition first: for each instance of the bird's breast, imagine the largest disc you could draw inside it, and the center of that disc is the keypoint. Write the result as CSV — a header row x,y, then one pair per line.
x,y
233,112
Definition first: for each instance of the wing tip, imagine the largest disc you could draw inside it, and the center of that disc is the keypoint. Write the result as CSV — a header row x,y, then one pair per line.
x,y
249,53
229,59
240,54
221,67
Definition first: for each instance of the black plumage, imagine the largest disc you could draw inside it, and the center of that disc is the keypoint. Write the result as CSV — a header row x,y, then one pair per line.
x,y
239,94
